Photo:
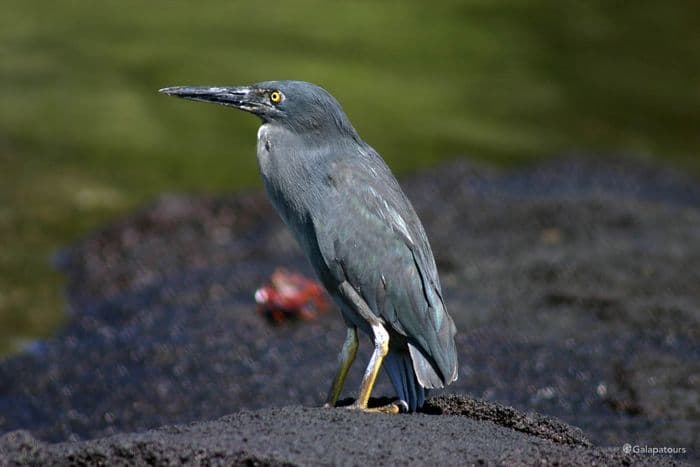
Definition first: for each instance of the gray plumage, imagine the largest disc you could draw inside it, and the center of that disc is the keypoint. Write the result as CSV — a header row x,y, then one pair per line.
x,y
354,223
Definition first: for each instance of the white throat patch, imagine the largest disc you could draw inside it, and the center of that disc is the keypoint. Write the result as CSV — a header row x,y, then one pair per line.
x,y
263,151
263,130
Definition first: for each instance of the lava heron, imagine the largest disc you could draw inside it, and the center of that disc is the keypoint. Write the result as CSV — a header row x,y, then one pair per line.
x,y
359,231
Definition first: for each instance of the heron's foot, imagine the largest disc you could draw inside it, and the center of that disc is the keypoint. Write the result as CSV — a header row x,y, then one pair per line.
x,y
393,408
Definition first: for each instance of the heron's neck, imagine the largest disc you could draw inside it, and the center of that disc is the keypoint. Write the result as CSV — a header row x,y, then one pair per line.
x,y
290,165
284,152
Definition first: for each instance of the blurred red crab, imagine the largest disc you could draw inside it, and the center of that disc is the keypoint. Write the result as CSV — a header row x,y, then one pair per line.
x,y
290,296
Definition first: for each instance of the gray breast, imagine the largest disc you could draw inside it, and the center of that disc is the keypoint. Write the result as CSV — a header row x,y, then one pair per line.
x,y
286,174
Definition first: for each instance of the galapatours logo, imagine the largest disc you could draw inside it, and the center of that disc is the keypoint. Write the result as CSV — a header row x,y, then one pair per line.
x,y
652,450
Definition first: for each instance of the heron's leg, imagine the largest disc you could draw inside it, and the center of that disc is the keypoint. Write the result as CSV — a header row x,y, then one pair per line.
x,y
345,359
381,348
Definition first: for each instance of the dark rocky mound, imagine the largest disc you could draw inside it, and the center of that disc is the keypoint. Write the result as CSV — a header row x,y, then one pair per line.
x,y
574,286
302,435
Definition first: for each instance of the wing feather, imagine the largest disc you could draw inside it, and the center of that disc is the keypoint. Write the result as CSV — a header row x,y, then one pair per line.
x,y
372,237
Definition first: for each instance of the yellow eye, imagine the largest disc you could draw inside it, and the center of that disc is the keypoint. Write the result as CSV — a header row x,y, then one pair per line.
x,y
276,97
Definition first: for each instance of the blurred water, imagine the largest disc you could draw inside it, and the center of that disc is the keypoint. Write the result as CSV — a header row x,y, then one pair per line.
x,y
84,136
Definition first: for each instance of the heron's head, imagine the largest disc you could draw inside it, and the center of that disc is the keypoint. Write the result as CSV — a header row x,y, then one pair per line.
x,y
303,107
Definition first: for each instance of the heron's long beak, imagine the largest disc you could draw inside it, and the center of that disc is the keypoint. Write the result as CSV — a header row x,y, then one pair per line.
x,y
241,97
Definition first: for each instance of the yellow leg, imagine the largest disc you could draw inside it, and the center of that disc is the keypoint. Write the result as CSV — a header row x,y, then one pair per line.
x,y
345,359
381,347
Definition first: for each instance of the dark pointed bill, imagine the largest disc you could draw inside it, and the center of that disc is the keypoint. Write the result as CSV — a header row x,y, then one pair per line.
x,y
239,97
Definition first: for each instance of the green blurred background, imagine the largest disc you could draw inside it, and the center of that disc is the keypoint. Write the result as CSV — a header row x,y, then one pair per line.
x,y
84,136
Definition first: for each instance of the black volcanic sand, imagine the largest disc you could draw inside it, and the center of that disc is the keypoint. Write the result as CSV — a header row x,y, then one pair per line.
x,y
575,286
304,435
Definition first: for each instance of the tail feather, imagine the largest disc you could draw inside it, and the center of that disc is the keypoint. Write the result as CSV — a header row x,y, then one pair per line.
x,y
399,367
424,370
